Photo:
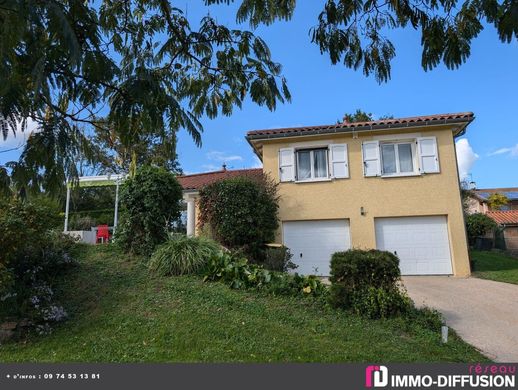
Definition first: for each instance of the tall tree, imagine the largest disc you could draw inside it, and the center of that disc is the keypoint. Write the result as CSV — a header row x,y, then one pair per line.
x,y
355,33
135,69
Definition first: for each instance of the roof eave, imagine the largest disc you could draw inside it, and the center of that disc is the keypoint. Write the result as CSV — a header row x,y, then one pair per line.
x,y
463,122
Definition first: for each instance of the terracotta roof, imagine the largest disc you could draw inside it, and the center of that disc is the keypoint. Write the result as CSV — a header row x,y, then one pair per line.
x,y
427,120
199,180
509,217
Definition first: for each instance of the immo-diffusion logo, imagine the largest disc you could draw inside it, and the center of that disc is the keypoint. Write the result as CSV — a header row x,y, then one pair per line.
x,y
376,376
477,376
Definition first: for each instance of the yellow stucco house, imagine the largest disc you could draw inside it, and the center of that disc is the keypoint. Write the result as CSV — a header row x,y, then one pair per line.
x,y
389,184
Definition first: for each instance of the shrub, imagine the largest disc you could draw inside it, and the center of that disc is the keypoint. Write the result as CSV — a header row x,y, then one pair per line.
x,y
82,223
367,282
238,273
183,255
375,302
242,213
278,259
33,258
478,225
150,204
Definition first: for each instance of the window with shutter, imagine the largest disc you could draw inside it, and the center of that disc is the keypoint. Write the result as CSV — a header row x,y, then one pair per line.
x,y
339,164
286,164
428,155
371,158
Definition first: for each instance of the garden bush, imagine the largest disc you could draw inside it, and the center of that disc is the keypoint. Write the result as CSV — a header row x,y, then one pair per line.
x,y
183,255
34,257
235,271
367,282
278,259
242,213
478,225
150,205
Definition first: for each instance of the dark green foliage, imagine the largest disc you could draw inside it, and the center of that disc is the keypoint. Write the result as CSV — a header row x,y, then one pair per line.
x,y
242,213
150,204
375,302
238,273
356,33
183,255
367,281
278,259
61,61
478,225
33,257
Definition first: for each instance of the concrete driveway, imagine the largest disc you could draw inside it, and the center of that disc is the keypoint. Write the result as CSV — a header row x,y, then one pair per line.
x,y
484,313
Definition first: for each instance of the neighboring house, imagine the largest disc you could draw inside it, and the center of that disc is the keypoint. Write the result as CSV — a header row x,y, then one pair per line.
x,y
389,184
508,222
193,183
478,202
506,217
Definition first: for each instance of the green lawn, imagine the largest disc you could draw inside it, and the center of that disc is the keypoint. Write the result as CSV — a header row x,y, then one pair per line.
x,y
495,266
119,313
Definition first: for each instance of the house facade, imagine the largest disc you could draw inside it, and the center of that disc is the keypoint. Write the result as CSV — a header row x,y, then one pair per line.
x,y
478,203
506,216
391,185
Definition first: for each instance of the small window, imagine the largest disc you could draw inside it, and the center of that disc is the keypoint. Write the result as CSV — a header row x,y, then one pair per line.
x,y
312,164
397,158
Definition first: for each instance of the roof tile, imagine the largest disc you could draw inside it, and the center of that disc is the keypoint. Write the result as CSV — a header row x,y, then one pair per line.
x,y
509,217
426,119
199,180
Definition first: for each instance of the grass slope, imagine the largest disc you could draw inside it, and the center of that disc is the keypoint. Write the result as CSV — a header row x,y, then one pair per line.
x,y
495,266
120,313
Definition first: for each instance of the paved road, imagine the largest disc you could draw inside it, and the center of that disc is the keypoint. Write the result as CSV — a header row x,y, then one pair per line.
x,y
483,312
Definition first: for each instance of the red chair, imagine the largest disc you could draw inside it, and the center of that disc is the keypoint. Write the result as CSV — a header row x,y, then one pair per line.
x,y
103,233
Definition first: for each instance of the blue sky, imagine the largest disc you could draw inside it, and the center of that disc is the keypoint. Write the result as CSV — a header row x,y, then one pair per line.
x,y
322,93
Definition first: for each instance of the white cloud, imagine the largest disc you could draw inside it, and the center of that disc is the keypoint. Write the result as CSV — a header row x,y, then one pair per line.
x,y
14,141
222,156
256,162
510,152
211,167
466,157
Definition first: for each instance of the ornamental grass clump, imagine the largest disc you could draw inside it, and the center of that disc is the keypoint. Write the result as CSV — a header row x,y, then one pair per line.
x,y
183,256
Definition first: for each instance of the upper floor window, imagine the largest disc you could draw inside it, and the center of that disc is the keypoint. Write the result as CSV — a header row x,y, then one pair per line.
x,y
397,158
312,164
400,158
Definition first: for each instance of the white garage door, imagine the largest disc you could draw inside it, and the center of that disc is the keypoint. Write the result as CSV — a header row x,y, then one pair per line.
x,y
313,242
421,243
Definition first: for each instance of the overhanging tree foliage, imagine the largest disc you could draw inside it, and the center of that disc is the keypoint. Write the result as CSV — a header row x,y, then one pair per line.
x,y
355,33
137,72
133,69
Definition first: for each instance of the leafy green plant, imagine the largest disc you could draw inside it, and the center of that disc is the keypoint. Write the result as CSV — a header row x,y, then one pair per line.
x,y
478,225
242,213
82,223
235,271
34,255
496,201
150,204
367,282
278,259
376,302
183,256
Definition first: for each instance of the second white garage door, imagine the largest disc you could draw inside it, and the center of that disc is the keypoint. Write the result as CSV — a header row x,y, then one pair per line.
x,y
313,242
421,243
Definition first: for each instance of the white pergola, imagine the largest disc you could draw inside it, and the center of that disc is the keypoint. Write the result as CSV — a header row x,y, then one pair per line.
x,y
96,181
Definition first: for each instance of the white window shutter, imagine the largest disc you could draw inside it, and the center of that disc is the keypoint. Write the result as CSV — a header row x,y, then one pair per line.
x,y
371,158
338,161
428,155
287,164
